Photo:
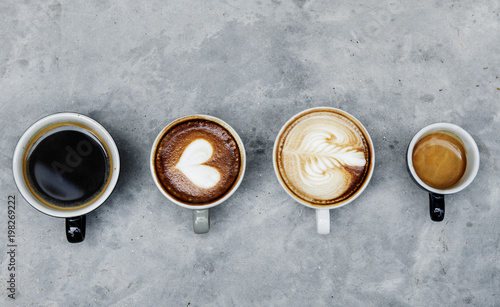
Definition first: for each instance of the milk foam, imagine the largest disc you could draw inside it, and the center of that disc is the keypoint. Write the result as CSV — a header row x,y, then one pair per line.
x,y
317,155
191,164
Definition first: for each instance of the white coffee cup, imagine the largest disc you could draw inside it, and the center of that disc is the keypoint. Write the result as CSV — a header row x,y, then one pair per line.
x,y
436,196
201,215
323,211
75,216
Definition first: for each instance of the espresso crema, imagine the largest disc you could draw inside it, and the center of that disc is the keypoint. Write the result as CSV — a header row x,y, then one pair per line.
x,y
197,161
440,159
323,157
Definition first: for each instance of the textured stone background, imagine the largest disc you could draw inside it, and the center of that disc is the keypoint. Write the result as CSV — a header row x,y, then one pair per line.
x,y
136,65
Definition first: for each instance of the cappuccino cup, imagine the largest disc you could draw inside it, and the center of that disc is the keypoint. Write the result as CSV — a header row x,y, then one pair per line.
x,y
66,165
442,158
324,159
197,162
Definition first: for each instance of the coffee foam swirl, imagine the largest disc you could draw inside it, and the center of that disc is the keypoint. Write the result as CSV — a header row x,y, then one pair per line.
x,y
324,158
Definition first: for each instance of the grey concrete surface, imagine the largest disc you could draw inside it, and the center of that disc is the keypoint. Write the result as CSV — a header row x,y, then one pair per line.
x,y
134,66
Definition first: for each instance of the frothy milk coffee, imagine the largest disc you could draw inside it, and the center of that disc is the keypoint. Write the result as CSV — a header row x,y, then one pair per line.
x,y
197,161
323,157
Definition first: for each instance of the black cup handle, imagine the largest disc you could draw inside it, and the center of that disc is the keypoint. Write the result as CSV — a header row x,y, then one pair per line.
x,y
436,207
75,229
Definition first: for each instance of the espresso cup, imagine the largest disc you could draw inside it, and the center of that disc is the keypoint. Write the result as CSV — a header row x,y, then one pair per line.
x,y
66,165
197,162
442,158
324,159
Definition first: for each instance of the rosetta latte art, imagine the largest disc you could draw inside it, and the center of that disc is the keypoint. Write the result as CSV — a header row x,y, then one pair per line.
x,y
322,158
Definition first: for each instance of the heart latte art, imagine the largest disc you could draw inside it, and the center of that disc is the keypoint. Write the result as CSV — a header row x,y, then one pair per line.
x,y
191,164
323,158
197,161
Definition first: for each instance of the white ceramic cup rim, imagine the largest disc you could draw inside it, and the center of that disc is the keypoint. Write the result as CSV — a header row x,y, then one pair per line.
x,y
33,130
333,206
242,157
472,154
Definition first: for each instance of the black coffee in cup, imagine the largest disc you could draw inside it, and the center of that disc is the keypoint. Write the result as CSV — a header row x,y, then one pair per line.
x,y
67,167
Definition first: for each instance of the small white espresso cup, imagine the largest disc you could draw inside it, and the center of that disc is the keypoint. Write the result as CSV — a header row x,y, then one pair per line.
x,y
323,210
68,160
436,196
201,215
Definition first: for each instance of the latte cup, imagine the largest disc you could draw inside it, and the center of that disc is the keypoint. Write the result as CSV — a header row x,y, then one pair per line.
x,y
66,165
324,159
197,162
437,168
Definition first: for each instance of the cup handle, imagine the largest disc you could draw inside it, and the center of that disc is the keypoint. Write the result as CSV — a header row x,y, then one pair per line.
x,y
323,221
75,229
201,221
436,206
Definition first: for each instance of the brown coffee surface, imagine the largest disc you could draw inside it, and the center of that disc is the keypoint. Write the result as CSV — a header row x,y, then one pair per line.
x,y
439,160
323,157
190,155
